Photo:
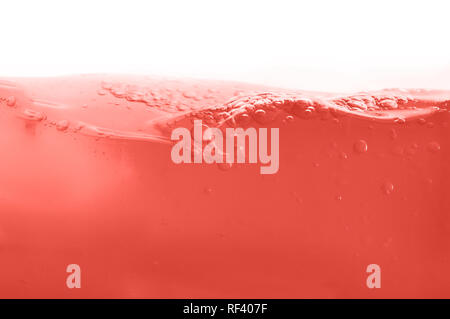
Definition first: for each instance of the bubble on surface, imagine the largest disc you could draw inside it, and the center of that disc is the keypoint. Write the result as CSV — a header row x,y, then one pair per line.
x,y
32,115
11,101
62,125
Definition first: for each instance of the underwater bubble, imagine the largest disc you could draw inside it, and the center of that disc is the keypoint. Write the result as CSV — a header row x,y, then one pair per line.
x,y
387,188
289,118
242,119
360,146
434,147
260,116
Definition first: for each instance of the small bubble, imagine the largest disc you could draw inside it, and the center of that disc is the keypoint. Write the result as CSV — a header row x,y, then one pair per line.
x,y
303,107
390,104
11,101
360,146
260,116
101,92
344,155
305,113
33,115
208,190
189,95
62,125
289,118
400,120
339,198
243,119
434,147
387,188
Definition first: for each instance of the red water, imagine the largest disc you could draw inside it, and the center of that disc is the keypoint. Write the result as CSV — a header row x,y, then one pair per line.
x,y
86,178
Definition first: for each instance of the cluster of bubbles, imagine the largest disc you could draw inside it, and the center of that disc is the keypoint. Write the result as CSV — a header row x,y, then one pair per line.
x,y
171,100
260,109
268,107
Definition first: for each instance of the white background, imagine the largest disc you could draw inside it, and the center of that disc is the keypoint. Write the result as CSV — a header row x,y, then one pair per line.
x,y
323,45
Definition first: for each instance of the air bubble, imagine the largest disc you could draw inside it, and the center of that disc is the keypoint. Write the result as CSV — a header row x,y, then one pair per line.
x,y
400,120
344,155
360,146
62,125
301,104
289,118
11,101
260,116
33,115
434,147
242,119
387,188
389,104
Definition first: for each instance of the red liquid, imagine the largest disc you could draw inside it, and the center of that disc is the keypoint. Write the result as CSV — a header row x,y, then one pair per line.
x,y
86,178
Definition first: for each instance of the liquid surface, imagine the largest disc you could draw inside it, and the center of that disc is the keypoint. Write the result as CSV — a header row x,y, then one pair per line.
x,y
86,178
